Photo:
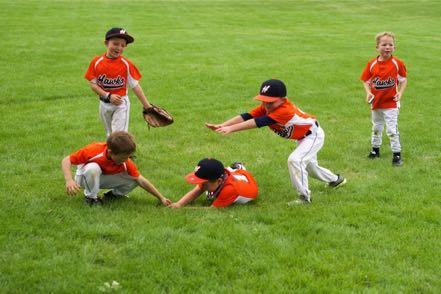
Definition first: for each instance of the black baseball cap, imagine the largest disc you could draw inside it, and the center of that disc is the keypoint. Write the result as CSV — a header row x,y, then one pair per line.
x,y
119,33
208,169
271,91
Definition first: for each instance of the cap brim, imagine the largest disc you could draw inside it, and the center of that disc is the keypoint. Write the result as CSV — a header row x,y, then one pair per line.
x,y
193,179
128,38
266,98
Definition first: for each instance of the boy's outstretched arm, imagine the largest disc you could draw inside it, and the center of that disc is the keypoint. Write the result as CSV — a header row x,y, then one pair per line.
x,y
187,198
235,120
244,125
71,186
146,185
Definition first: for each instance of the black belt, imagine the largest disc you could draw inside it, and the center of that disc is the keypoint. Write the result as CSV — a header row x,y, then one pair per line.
x,y
309,131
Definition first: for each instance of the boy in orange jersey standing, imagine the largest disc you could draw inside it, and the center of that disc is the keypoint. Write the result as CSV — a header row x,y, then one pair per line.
x,y
110,75
384,80
224,186
289,122
106,166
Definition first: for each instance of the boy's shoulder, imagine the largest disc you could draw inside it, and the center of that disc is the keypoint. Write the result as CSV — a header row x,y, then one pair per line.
x,y
95,146
96,57
397,59
374,59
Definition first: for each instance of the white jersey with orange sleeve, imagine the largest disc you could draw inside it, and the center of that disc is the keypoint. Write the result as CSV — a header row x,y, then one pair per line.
x,y
292,122
384,77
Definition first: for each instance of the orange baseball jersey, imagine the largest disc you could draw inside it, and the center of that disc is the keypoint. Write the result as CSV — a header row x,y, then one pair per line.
x,y
97,152
384,77
113,75
238,184
292,122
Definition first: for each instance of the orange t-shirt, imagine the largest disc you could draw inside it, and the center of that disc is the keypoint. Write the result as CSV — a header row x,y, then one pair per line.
x,y
97,152
113,75
239,183
292,122
384,77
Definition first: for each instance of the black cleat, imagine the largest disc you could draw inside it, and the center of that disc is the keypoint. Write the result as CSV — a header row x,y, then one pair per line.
x,y
373,155
93,201
301,200
397,161
340,182
110,196
238,165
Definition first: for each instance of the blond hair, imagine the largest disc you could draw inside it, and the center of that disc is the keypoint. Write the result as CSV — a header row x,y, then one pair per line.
x,y
121,143
382,34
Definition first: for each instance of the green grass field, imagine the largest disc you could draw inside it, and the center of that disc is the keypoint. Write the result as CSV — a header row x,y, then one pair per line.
x,y
204,61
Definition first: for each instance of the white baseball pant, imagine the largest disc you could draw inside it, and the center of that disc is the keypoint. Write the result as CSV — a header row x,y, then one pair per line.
x,y
90,177
390,117
115,117
303,161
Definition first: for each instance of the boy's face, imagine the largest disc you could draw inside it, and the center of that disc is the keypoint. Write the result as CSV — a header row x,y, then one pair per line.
x,y
271,106
118,158
115,47
211,186
386,46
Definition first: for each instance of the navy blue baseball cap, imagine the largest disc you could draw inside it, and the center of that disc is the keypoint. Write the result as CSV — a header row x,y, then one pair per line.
x,y
271,91
208,169
119,33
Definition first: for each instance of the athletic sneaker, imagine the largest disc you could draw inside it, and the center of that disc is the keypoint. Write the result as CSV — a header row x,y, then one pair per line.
x,y
93,201
238,165
301,200
340,182
397,161
373,155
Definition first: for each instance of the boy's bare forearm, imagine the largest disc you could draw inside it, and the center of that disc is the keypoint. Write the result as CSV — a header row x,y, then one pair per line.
x,y
235,120
141,96
97,89
190,196
65,167
146,185
402,86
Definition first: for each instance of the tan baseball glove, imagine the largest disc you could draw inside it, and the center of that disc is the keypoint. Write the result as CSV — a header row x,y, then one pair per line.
x,y
156,116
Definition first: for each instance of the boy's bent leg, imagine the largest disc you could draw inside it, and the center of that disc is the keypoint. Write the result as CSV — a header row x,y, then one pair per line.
x,y
297,162
121,184
321,173
88,177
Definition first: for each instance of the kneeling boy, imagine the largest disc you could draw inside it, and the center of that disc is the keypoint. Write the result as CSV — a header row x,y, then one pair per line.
x,y
106,166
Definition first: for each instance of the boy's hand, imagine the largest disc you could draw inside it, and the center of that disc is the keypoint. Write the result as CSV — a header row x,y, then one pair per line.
x,y
370,98
397,96
224,130
72,187
115,99
165,201
174,205
212,126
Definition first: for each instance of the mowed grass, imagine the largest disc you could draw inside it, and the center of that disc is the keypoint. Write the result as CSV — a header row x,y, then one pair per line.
x,y
204,61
